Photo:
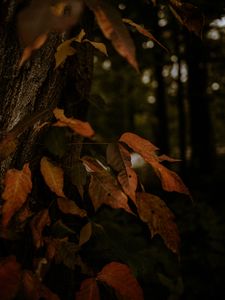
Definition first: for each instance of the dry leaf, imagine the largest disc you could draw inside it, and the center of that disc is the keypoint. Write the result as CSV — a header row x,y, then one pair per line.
x,y
7,146
99,46
88,290
85,234
144,32
38,224
10,276
69,207
82,128
113,28
119,158
171,182
120,277
18,185
53,176
153,211
65,49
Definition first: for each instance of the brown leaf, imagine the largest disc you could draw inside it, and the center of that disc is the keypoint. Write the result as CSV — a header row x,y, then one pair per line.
x,y
10,275
91,164
88,290
82,128
69,207
18,185
7,146
120,277
119,158
113,28
171,182
53,176
153,211
85,234
99,46
34,289
188,15
144,32
38,224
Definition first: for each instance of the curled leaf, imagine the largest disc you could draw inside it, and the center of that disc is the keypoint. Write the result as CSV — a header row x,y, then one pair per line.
x,y
120,277
18,185
153,211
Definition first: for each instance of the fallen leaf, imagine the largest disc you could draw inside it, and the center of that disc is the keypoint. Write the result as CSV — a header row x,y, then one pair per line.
x,y
99,46
88,290
188,15
65,49
113,28
85,234
67,254
38,224
53,176
160,219
10,276
91,164
120,277
119,158
170,181
69,207
82,128
18,185
7,146
144,32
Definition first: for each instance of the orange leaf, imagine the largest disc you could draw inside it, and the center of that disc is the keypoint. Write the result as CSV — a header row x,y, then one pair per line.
x,y
113,28
85,234
120,277
88,290
10,275
38,224
144,32
171,182
53,176
153,211
82,128
69,207
118,157
18,185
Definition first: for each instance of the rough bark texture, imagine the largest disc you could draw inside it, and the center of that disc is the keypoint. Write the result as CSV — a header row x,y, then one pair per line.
x,y
36,85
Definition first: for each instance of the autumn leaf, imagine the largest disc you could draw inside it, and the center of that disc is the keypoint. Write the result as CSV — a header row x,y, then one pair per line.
x,y
170,181
38,224
113,28
7,146
82,128
99,46
119,158
10,276
65,49
188,15
120,277
18,185
88,290
53,176
34,289
69,207
144,32
85,234
92,165
153,211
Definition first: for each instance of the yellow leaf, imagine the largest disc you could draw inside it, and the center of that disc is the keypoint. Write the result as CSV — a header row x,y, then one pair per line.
x,y
69,207
18,185
53,176
65,49
99,46
82,128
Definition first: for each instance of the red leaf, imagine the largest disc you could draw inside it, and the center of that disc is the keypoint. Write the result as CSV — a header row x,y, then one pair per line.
x,y
160,219
10,275
118,157
88,290
120,277
18,185
113,28
171,182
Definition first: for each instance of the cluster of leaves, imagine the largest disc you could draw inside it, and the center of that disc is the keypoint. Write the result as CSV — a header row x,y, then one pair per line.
x,y
111,184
